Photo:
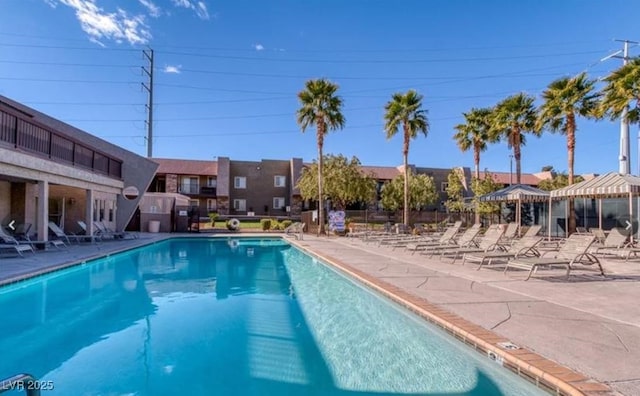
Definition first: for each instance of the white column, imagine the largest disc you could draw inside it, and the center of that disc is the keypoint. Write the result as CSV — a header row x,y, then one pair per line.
x,y
43,211
88,214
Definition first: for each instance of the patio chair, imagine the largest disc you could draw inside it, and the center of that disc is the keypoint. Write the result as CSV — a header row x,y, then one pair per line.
x,y
105,232
489,241
466,240
573,251
9,243
616,243
523,247
66,238
295,230
532,231
510,232
25,244
448,238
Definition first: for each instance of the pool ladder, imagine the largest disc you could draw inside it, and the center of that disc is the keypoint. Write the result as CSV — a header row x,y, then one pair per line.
x,y
20,381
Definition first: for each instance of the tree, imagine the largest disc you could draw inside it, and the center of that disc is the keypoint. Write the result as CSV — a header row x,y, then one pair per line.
x,y
422,192
564,99
512,118
406,111
475,134
455,196
320,106
558,181
623,87
343,181
482,187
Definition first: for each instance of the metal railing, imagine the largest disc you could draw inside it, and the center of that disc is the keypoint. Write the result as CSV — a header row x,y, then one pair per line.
x,y
21,382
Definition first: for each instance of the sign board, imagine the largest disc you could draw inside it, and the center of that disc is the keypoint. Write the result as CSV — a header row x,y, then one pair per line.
x,y
336,220
182,213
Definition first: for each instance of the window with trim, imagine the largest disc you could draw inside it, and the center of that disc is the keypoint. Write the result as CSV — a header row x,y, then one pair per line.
x,y
240,205
212,182
212,205
278,202
444,186
279,181
194,203
240,182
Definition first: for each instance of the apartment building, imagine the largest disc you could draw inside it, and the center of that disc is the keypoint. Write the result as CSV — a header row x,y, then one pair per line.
x,y
52,171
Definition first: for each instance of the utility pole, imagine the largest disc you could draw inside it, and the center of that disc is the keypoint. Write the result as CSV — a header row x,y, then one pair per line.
x,y
149,88
624,161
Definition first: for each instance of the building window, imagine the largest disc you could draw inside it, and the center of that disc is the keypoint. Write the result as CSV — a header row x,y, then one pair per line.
x,y
278,202
279,181
212,205
444,186
240,205
212,182
194,204
189,185
240,182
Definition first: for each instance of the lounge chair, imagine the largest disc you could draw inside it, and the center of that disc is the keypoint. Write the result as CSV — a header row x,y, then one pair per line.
x,y
447,238
488,242
616,243
466,240
66,238
532,231
295,230
573,251
523,247
7,242
104,232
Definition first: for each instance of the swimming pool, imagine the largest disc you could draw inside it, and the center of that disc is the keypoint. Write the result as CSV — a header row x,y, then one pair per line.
x,y
228,317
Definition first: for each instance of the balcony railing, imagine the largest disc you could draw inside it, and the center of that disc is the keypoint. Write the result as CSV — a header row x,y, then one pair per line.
x,y
29,136
208,191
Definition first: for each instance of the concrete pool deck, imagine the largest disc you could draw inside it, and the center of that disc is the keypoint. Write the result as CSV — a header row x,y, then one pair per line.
x,y
588,324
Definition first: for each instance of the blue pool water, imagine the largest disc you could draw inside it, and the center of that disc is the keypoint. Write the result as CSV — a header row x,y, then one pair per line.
x,y
248,317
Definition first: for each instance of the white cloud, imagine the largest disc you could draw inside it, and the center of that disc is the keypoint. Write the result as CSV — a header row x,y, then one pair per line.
x,y
51,3
199,7
258,47
172,69
154,10
118,26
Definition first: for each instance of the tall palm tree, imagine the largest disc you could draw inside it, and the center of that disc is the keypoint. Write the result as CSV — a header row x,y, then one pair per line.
x,y
564,100
474,134
320,106
623,87
512,118
405,110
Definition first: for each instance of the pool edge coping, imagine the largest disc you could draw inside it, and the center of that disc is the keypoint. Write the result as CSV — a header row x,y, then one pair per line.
x,y
524,362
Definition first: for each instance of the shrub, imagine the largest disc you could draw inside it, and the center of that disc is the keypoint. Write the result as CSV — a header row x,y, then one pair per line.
x,y
285,223
275,225
213,217
266,224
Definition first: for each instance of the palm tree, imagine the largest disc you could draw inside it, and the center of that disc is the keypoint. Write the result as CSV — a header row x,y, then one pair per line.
x,y
320,106
475,135
406,111
512,118
564,99
623,86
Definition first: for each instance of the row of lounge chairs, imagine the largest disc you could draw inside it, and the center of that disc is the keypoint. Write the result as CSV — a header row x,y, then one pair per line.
x,y
12,245
530,252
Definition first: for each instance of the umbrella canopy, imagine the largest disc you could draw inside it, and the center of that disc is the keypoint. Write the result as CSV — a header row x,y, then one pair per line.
x,y
609,185
516,192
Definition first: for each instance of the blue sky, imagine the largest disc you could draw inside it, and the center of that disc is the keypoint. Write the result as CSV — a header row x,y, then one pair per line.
x,y
227,73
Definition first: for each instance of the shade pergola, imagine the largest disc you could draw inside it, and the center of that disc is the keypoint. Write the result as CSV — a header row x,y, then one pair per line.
x,y
516,193
609,185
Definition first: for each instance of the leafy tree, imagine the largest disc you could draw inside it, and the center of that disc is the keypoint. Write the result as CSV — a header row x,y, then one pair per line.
x,y
406,111
482,186
558,181
422,192
512,118
564,99
322,107
343,181
455,195
475,134
547,168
